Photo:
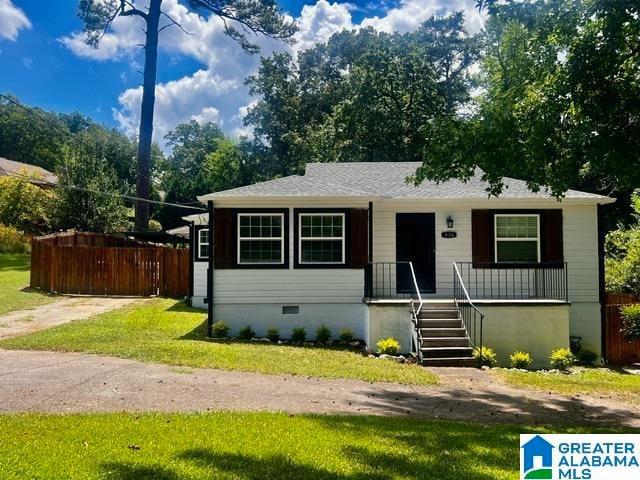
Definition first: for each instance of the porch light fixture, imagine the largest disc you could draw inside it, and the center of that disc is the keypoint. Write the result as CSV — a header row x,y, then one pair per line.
x,y
449,221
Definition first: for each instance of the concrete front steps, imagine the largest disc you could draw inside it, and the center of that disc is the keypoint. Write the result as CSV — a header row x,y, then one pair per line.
x,y
444,339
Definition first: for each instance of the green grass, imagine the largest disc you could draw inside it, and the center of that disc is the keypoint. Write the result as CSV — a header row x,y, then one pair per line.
x,y
254,446
166,331
582,381
14,278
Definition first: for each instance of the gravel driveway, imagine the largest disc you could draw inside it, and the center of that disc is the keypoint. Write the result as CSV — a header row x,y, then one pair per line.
x,y
75,382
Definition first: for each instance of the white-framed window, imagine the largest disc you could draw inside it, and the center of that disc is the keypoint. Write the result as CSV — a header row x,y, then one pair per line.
x,y
261,238
203,243
517,238
321,238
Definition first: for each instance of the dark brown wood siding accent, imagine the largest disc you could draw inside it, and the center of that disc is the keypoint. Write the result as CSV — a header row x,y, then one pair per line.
x,y
224,238
552,249
482,243
359,237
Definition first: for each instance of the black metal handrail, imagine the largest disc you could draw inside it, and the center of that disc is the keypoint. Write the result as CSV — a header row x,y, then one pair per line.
x,y
389,281
508,281
472,316
392,281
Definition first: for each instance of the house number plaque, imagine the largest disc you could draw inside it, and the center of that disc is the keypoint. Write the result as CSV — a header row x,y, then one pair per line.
x,y
449,234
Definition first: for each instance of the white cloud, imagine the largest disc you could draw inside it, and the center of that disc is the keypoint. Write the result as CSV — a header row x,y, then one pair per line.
x,y
178,101
409,14
208,114
318,22
12,20
216,92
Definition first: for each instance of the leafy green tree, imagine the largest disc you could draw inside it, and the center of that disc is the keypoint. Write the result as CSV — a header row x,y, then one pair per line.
x,y
560,100
34,138
204,160
25,206
622,247
226,167
113,146
253,16
191,143
361,96
89,195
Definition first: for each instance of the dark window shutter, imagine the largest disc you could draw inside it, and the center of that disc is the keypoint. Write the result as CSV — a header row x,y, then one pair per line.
x,y
223,238
552,249
482,248
359,220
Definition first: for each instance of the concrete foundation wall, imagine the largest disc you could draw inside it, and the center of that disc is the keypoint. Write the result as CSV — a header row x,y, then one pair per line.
x,y
585,322
534,329
389,321
261,317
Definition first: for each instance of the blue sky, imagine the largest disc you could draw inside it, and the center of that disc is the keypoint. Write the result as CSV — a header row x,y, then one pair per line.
x,y
45,62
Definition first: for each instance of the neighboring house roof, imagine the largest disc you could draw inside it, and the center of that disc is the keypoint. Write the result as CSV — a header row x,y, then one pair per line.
x,y
383,180
39,175
182,231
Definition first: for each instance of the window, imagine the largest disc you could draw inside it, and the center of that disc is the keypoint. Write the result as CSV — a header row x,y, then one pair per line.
x,y
203,243
260,239
517,238
321,238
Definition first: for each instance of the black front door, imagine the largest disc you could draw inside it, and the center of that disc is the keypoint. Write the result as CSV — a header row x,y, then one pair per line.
x,y
416,243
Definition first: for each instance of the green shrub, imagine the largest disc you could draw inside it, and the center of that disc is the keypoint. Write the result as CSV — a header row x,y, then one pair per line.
x,y
273,334
561,359
631,321
622,247
323,334
247,333
520,359
220,329
388,346
346,335
488,355
154,226
298,334
587,357
13,240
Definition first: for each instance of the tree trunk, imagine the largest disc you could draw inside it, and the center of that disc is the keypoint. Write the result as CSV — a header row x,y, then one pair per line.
x,y
143,185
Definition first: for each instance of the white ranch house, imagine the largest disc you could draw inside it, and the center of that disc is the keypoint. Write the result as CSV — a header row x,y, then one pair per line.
x,y
441,267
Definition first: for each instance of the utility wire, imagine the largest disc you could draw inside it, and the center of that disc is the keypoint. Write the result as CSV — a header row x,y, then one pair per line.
x,y
105,194
71,187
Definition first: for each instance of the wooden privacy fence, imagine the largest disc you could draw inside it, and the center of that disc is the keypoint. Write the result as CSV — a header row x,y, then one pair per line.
x,y
618,350
102,265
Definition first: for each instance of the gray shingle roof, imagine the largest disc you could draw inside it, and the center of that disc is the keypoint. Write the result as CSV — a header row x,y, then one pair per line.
x,y
381,180
37,174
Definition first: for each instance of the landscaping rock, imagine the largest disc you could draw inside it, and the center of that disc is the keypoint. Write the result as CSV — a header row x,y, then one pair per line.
x,y
264,340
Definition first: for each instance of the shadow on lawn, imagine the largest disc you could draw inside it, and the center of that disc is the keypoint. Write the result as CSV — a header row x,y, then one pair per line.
x,y
496,407
198,333
16,263
408,450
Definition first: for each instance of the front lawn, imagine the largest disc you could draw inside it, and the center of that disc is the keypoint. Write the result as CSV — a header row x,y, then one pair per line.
x,y
14,278
253,446
166,331
601,382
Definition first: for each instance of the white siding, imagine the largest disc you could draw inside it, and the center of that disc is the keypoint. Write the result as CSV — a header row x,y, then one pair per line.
x,y
327,294
284,286
448,250
579,229
581,252
288,286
